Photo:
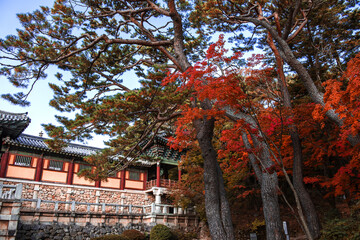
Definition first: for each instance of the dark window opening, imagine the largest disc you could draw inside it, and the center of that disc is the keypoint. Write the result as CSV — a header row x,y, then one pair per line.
x,y
22,161
82,167
56,165
134,175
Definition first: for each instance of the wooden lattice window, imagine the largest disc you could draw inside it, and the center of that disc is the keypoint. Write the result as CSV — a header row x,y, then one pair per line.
x,y
82,167
113,174
56,165
22,161
134,174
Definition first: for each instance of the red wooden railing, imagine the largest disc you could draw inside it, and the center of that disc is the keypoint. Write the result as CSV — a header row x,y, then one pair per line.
x,y
165,183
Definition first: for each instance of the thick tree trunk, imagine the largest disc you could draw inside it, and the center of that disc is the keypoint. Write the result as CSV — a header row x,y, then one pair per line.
x,y
306,202
267,177
269,184
216,204
269,194
308,208
224,206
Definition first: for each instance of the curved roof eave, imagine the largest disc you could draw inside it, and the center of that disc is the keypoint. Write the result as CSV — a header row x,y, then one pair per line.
x,y
13,124
38,143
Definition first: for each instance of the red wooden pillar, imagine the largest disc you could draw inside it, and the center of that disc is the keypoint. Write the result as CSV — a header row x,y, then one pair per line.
x,y
39,168
145,179
122,179
4,162
70,173
158,182
179,174
98,182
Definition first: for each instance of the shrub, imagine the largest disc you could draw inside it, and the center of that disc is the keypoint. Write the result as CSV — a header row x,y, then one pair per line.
x,y
161,232
133,234
346,228
181,235
111,237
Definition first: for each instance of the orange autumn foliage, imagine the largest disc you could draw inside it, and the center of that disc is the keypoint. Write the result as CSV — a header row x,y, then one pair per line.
x,y
330,161
343,95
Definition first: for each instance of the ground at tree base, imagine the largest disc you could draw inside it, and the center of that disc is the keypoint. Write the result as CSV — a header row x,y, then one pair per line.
x,y
338,221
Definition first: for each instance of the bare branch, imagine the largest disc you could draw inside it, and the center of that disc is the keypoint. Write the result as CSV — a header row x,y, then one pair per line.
x,y
302,25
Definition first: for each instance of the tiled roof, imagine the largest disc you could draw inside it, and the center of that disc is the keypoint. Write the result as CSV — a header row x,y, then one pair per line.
x,y
34,142
160,149
7,116
13,124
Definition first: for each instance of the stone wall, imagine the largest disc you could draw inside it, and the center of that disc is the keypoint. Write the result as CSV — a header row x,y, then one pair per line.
x,y
63,192
82,226
9,216
60,231
71,218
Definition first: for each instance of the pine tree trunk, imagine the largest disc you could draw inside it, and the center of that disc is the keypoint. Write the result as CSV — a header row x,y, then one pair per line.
x,y
225,207
267,178
217,208
308,208
306,202
216,204
269,194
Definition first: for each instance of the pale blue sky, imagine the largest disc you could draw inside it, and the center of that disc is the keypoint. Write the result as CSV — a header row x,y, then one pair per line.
x,y
39,111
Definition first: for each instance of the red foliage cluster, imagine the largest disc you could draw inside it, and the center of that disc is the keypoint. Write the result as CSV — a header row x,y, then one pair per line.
x,y
252,91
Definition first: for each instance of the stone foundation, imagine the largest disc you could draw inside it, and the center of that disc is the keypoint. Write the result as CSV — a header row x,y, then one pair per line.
x,y
46,225
60,231
59,211
63,192
9,216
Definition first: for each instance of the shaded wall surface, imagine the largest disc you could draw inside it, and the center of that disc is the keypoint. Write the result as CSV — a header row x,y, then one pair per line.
x,y
36,210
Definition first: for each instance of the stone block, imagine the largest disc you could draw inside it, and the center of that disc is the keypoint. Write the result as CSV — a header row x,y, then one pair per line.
x,y
12,225
4,225
6,209
16,209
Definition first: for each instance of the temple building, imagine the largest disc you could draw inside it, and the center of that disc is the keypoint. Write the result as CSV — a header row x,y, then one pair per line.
x,y
29,158
40,187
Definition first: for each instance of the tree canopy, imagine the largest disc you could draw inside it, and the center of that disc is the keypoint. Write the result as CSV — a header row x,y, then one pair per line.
x,y
282,116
